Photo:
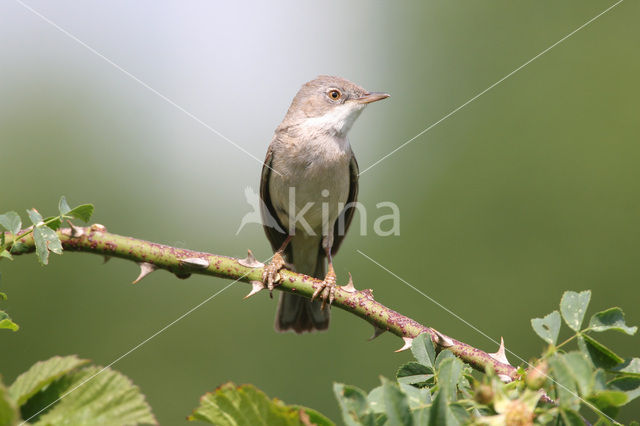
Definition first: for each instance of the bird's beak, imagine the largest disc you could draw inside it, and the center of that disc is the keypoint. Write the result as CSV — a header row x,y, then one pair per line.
x,y
367,98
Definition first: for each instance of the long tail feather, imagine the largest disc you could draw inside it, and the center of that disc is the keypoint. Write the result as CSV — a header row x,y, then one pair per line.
x,y
300,314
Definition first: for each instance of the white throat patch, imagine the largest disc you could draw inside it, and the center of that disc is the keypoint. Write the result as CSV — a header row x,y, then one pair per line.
x,y
338,121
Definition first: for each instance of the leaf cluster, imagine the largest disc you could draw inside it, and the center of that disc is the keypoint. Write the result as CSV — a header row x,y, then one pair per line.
x,y
49,394
45,238
590,375
231,405
436,388
560,387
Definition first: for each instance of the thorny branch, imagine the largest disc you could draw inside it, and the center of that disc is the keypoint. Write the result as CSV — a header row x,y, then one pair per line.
x,y
181,262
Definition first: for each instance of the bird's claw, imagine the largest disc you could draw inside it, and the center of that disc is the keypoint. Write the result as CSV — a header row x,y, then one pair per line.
x,y
270,274
326,290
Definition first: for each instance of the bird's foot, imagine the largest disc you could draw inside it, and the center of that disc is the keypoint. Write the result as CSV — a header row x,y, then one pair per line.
x,y
271,273
327,290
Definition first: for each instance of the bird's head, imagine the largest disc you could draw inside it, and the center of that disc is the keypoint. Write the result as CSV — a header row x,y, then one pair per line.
x,y
328,105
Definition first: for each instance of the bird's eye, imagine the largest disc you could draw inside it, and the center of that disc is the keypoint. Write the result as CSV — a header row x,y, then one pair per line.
x,y
334,94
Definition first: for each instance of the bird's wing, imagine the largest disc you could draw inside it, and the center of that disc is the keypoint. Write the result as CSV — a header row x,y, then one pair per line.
x,y
347,214
270,222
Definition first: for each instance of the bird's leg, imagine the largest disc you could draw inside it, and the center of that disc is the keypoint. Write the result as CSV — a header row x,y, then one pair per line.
x,y
270,274
328,286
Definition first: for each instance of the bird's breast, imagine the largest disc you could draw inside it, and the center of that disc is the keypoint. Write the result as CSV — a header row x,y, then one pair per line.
x,y
313,185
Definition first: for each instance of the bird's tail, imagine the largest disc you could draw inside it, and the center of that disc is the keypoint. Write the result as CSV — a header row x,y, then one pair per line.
x,y
301,314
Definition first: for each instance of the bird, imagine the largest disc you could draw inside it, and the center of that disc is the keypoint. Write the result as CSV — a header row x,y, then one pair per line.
x,y
309,185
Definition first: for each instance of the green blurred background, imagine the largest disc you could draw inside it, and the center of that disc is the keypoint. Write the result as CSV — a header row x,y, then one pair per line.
x,y
530,190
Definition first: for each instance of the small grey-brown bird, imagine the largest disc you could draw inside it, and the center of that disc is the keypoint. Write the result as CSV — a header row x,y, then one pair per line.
x,y
309,180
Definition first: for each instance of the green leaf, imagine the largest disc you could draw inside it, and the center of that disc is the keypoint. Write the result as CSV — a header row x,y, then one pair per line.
x,y
423,350
11,222
548,327
564,382
63,206
449,374
413,373
611,319
245,405
600,355
442,356
421,415
354,405
417,397
573,306
3,296
599,380
46,240
440,413
460,413
5,322
396,404
19,248
630,385
6,254
630,367
34,216
82,212
8,409
571,417
92,396
42,251
41,374
464,386
609,398
53,222
603,422
376,400
580,370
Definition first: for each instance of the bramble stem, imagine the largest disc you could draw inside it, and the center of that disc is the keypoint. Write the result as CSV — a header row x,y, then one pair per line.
x,y
95,239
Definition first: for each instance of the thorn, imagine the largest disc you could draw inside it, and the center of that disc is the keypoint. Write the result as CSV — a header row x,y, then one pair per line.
x,y
376,332
250,261
96,227
349,288
183,275
500,356
76,231
407,344
106,259
145,269
196,262
368,293
504,378
256,286
444,341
